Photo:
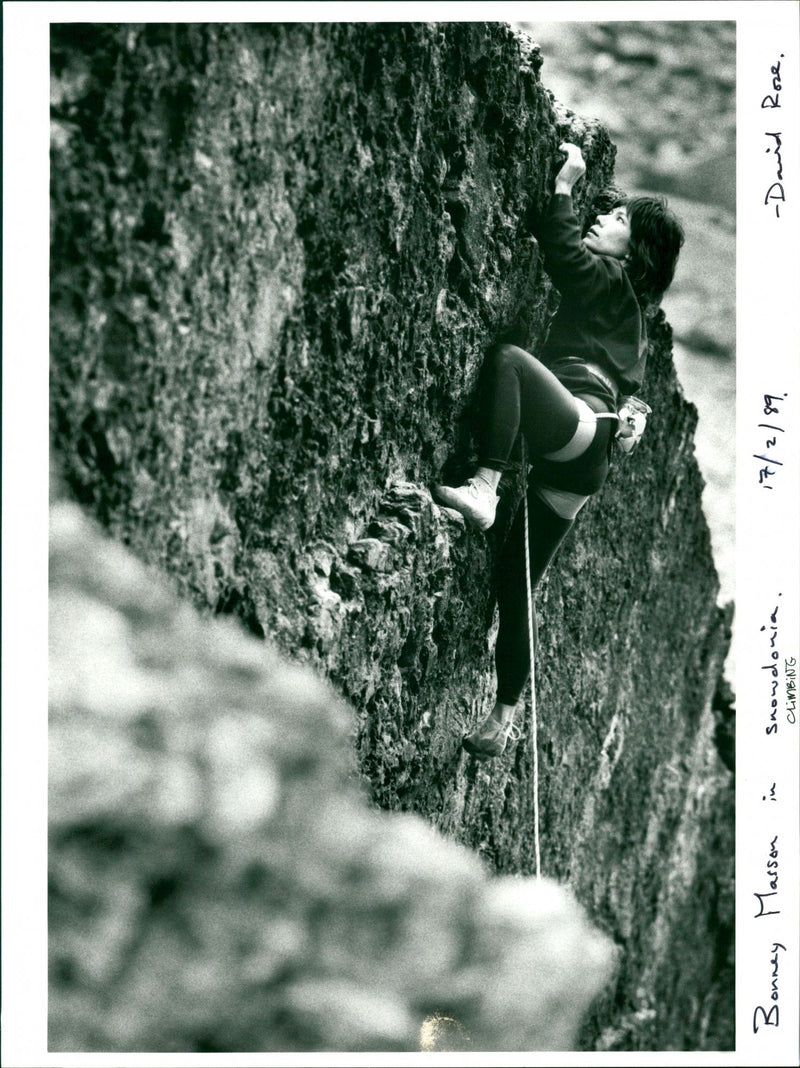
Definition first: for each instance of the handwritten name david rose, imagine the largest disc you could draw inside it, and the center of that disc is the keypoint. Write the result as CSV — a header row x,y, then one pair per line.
x,y
775,193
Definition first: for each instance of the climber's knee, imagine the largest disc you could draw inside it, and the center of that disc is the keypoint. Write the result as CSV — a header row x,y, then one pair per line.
x,y
504,357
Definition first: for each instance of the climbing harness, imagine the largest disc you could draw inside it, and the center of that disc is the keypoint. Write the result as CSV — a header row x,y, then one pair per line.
x,y
632,419
534,722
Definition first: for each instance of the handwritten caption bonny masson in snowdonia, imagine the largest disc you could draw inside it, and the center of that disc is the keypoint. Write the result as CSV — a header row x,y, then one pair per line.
x,y
780,707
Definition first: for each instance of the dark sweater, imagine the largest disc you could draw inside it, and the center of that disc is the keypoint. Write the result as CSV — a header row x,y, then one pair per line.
x,y
599,318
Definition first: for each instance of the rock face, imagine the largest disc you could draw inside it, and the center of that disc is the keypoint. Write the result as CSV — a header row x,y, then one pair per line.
x,y
279,252
218,880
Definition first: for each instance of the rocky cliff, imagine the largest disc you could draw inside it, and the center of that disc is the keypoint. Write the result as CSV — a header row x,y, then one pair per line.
x,y
218,882
278,255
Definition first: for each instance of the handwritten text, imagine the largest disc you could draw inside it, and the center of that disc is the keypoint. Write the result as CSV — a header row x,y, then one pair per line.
x,y
761,1016
771,630
772,882
790,672
775,194
772,410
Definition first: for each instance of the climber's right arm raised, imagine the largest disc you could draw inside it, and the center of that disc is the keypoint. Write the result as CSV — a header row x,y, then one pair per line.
x,y
577,272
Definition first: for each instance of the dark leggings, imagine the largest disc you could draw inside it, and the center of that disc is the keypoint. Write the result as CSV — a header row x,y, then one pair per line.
x,y
512,652
521,394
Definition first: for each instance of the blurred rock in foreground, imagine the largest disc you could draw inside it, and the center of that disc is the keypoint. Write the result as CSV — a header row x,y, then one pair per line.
x,y
218,881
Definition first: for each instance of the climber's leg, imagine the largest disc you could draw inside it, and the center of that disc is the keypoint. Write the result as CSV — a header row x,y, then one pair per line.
x,y
547,531
519,394
512,655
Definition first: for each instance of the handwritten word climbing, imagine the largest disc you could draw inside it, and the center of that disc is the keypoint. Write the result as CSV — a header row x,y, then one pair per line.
x,y
790,671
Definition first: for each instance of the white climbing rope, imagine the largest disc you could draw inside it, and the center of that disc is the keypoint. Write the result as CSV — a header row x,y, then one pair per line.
x,y
534,723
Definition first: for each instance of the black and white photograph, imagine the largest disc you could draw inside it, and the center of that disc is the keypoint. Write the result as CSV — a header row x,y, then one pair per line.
x,y
401,483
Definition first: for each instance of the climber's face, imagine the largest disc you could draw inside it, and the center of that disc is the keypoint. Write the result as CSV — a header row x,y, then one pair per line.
x,y
610,235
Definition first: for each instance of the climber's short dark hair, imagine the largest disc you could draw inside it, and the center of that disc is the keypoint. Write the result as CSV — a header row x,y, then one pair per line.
x,y
656,241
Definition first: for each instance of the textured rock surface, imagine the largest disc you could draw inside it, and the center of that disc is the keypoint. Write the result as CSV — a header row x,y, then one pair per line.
x,y
218,880
278,255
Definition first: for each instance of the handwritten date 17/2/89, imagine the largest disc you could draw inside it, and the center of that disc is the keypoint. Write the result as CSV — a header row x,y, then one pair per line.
x,y
772,410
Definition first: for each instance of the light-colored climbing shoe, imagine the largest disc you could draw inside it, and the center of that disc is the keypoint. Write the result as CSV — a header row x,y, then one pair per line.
x,y
476,500
490,739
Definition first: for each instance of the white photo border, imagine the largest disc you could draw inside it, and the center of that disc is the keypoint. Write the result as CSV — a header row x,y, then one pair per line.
x,y
767,507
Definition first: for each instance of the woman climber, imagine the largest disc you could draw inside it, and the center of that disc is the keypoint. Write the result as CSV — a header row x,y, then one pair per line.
x,y
595,353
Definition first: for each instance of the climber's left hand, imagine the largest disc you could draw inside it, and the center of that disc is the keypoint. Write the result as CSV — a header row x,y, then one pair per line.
x,y
572,170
